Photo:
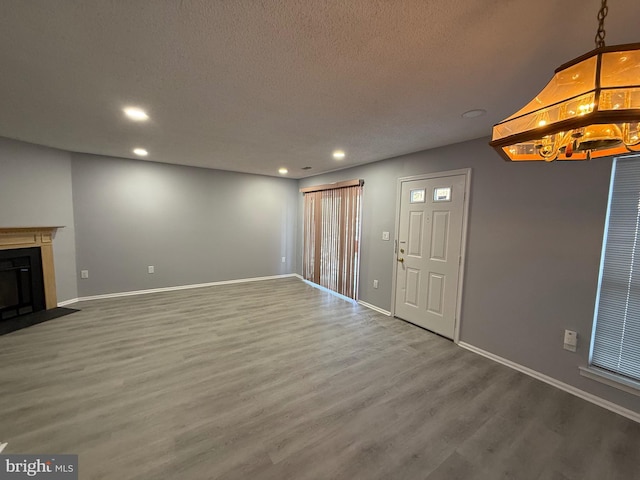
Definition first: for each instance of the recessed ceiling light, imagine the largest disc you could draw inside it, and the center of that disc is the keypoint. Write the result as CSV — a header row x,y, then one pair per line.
x,y
283,171
478,112
135,113
338,155
140,152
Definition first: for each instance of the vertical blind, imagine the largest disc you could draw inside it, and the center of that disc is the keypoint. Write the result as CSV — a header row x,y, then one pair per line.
x,y
332,238
616,342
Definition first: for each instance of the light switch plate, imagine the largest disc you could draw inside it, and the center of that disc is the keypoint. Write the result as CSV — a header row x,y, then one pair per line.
x,y
151,269
84,273
385,236
570,340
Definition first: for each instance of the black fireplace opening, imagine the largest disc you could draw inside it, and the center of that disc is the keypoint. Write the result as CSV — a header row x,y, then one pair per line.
x,y
21,282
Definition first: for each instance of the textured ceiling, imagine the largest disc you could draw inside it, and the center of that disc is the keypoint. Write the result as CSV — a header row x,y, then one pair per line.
x,y
252,86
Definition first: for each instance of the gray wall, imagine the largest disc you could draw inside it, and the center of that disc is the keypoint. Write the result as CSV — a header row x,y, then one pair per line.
x,y
533,252
533,247
35,190
194,225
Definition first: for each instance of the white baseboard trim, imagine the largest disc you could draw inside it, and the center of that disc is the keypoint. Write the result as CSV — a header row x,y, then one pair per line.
x,y
68,302
2,446
325,289
374,308
359,302
172,289
589,397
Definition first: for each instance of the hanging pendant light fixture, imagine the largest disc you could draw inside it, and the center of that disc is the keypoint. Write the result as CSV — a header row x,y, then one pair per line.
x,y
589,109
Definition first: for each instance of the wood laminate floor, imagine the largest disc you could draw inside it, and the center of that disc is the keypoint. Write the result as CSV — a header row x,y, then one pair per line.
x,y
278,380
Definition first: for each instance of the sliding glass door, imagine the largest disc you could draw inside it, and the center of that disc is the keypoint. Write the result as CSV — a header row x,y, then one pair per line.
x,y
332,236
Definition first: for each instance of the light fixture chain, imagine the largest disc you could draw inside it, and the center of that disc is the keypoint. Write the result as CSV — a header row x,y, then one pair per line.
x,y
604,9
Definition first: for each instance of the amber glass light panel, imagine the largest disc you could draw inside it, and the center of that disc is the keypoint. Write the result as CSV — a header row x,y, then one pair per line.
x,y
589,109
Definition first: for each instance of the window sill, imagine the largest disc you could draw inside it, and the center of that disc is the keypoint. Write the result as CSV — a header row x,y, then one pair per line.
x,y
611,379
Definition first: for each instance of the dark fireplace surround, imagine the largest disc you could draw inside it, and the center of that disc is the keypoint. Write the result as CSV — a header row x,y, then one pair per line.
x,y
21,282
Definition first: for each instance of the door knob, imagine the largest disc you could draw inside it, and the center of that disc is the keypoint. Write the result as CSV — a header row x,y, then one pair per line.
x,y
401,260
402,250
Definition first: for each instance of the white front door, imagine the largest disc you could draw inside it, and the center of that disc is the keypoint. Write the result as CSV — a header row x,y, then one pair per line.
x,y
429,252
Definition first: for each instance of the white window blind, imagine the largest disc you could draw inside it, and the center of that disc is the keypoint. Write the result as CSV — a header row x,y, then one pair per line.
x,y
616,340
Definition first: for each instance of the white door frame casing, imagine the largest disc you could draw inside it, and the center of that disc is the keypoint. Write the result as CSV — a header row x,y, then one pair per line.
x,y
463,243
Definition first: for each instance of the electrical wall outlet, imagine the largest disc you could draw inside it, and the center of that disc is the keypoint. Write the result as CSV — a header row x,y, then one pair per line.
x,y
570,340
84,273
375,284
151,269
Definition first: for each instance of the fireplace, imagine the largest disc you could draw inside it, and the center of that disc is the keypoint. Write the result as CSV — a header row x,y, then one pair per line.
x,y
27,278
27,275
21,282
